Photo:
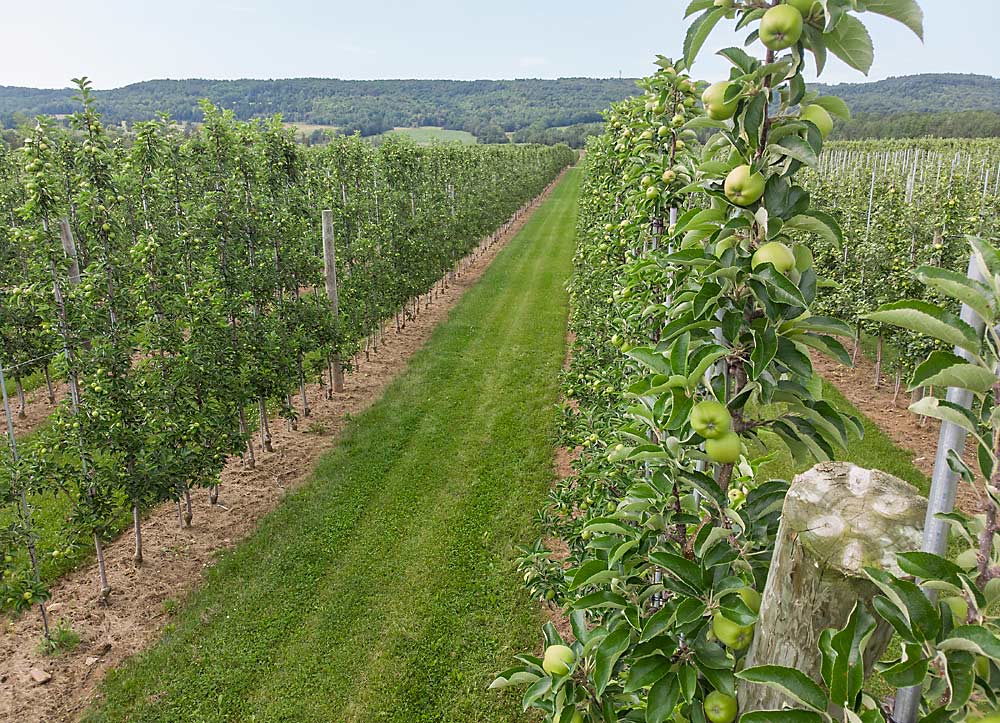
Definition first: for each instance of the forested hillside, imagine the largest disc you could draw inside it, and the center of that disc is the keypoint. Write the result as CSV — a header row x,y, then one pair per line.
x,y
530,111
485,108
952,105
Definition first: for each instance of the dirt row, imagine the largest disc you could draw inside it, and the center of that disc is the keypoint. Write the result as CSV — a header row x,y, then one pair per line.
x,y
34,687
890,413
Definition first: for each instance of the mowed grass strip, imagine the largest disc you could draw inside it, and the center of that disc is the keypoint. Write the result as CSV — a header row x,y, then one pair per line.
x,y
385,590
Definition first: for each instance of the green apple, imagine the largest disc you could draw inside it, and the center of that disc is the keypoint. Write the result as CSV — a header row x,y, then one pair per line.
x,y
577,718
751,598
724,449
711,419
714,99
805,7
669,176
743,186
652,192
819,117
557,659
781,27
732,634
719,707
775,253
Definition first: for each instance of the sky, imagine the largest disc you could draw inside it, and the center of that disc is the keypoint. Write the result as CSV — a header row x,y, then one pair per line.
x,y
117,42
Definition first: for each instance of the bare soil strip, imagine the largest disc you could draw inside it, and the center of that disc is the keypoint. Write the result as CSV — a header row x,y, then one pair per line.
x,y
176,558
893,417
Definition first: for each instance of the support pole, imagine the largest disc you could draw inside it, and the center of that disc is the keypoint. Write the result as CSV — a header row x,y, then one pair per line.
x,y
944,484
330,276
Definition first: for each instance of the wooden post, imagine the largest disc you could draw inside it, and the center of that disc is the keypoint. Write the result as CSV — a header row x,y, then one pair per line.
x,y
837,519
330,275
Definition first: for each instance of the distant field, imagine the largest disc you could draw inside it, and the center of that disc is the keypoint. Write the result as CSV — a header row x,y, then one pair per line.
x,y
304,130
432,134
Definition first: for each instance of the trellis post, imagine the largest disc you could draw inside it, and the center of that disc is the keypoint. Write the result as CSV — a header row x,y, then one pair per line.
x,y
941,499
330,277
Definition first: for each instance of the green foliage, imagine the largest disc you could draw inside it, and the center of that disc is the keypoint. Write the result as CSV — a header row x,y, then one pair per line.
x,y
393,565
718,303
195,295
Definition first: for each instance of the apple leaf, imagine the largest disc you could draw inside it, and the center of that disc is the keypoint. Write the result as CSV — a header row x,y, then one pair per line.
x,y
782,716
958,286
790,681
662,699
944,369
907,12
699,31
833,105
945,411
849,40
607,655
928,566
740,58
925,318
647,671
820,223
697,6
796,148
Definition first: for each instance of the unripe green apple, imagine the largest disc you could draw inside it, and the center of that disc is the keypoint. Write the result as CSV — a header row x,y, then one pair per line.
x,y
669,176
714,99
732,634
819,117
724,449
751,598
711,419
781,27
678,120
743,186
805,7
719,707
577,718
775,253
557,659
652,192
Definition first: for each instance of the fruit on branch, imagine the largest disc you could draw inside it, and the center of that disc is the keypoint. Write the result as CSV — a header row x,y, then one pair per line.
x,y
732,634
819,117
557,659
751,598
743,186
781,27
775,253
714,100
724,449
805,7
719,707
669,176
577,718
711,419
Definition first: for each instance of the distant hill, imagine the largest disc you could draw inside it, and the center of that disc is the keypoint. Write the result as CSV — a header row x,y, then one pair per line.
x,y
950,105
927,93
486,108
529,110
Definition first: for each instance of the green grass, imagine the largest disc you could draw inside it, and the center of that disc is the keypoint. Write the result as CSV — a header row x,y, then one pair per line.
x,y
385,589
874,451
434,134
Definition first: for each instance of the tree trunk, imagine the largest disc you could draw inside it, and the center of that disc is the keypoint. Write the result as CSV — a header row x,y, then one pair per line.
x,y
48,384
22,405
137,526
837,519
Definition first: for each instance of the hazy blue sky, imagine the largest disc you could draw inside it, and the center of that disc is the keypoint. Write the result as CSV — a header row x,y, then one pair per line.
x,y
117,42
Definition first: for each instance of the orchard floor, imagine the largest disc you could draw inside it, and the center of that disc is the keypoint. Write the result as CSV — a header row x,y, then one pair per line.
x,y
384,589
